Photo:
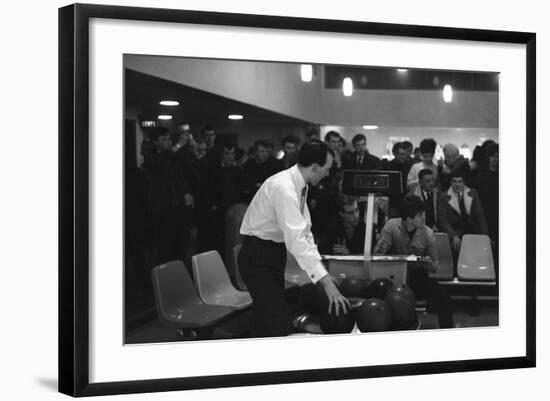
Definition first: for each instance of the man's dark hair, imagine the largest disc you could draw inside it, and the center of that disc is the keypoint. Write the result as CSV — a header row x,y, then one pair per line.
x,y
357,138
424,172
311,132
407,145
331,134
491,149
343,142
411,206
314,151
207,127
458,173
397,146
291,139
477,155
428,145
228,145
262,142
156,132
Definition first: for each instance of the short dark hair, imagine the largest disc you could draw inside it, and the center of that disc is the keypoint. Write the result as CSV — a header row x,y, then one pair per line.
x,y
331,134
207,127
457,173
314,151
262,142
477,155
397,146
291,139
228,145
357,138
491,149
411,206
424,172
428,145
407,145
312,131
158,131
343,142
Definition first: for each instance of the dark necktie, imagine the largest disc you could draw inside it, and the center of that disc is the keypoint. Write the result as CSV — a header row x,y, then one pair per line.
x,y
359,161
303,199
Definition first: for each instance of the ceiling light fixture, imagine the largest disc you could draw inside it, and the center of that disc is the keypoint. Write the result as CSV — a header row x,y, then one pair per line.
x,y
370,126
235,117
170,103
164,117
306,72
347,87
448,93
402,70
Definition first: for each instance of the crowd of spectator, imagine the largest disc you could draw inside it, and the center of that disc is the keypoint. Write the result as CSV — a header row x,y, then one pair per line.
x,y
177,199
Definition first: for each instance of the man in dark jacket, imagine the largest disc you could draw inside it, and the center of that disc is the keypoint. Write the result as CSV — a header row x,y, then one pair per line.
x,y
259,169
460,211
361,159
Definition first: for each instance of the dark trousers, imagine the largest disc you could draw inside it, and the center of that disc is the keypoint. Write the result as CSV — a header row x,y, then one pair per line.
x,y
438,300
262,267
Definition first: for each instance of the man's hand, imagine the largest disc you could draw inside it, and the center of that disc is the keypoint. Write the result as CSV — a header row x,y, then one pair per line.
x,y
338,249
335,299
456,243
431,265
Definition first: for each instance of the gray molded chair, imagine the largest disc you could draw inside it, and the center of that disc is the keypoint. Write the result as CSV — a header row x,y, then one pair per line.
x,y
213,282
475,259
177,301
239,279
446,263
294,273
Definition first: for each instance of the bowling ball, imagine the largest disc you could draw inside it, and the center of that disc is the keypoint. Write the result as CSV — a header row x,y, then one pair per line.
x,y
373,315
379,288
406,290
402,309
332,324
352,287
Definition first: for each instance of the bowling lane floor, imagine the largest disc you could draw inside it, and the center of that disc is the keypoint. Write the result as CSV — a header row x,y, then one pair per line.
x,y
482,313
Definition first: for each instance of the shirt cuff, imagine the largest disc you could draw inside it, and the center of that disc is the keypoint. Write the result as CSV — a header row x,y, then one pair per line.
x,y
317,272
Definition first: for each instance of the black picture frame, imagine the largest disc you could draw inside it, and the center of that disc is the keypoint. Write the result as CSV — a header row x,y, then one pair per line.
x,y
74,198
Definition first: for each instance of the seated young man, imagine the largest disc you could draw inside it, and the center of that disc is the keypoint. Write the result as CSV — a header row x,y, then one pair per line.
x,y
345,233
408,235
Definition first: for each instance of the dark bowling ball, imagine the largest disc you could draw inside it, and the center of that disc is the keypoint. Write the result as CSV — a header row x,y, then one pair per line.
x,y
352,287
403,311
373,315
379,288
332,324
405,290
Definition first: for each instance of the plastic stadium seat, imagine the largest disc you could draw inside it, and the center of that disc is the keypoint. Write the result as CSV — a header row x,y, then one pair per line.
x,y
238,278
446,264
177,301
475,259
213,283
294,273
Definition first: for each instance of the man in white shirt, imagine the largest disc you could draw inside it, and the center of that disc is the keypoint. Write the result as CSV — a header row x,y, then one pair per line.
x,y
278,219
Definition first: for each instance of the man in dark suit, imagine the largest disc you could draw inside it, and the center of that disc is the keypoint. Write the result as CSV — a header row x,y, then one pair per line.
x,y
361,159
460,211
429,194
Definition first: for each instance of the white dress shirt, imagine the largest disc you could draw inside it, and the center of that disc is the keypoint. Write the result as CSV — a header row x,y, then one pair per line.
x,y
274,214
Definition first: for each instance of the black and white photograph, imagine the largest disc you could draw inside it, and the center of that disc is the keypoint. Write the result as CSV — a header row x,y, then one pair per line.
x,y
267,199
256,200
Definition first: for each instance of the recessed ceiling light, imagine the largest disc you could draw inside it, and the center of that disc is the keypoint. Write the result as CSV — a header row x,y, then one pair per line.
x,y
169,103
370,126
402,70
448,93
235,117
306,72
347,87
164,117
